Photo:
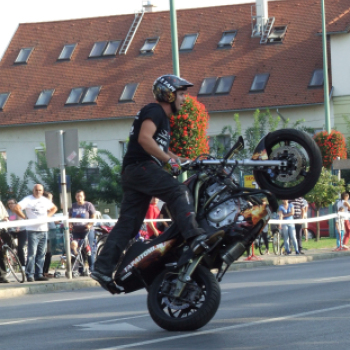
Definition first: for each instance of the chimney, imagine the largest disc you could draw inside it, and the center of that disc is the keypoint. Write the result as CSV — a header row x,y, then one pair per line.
x,y
262,11
148,6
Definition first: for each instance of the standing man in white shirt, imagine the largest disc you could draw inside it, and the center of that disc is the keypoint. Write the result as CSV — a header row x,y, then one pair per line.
x,y
36,206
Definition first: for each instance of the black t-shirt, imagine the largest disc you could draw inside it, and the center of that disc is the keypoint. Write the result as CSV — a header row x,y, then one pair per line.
x,y
135,152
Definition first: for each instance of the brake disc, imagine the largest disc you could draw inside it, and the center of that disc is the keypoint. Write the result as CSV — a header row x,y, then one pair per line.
x,y
295,160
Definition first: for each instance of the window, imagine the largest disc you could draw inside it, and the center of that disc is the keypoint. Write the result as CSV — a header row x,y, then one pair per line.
x,y
219,145
40,158
149,45
128,92
227,39
224,85
3,99
91,94
277,34
67,52
3,161
207,86
83,95
188,42
317,78
105,48
23,55
123,148
259,82
44,98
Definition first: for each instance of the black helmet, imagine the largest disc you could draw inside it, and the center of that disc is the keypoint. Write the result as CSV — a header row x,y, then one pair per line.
x,y
165,87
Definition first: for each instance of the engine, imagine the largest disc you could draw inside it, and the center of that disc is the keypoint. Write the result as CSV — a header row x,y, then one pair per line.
x,y
226,213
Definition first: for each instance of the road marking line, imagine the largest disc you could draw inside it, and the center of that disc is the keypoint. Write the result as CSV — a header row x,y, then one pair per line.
x,y
19,321
75,299
216,330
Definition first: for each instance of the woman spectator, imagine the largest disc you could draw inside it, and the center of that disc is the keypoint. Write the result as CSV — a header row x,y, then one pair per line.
x,y
286,212
19,232
344,202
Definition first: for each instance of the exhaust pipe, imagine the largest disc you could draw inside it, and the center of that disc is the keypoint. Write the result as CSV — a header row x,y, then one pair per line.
x,y
233,253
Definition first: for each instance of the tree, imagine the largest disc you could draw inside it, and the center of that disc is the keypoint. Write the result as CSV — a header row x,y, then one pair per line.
x,y
325,193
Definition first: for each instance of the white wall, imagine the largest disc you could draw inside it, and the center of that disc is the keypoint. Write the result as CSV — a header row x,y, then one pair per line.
x,y
20,142
340,53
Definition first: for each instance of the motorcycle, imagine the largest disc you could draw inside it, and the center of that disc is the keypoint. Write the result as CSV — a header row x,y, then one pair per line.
x,y
183,293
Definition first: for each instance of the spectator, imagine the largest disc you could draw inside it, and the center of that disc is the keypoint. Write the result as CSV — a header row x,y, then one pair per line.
x,y
345,204
38,207
339,225
286,212
50,235
83,210
19,232
305,225
3,217
152,213
298,204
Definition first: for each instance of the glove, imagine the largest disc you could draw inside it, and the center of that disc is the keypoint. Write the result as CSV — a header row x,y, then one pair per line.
x,y
173,167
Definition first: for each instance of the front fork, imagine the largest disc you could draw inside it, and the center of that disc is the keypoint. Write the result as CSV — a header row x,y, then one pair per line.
x,y
185,275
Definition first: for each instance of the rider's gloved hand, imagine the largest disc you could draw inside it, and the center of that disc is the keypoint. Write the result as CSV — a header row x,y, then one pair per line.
x,y
173,166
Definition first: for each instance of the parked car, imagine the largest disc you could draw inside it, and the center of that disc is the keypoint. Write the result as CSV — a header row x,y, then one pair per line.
x,y
324,224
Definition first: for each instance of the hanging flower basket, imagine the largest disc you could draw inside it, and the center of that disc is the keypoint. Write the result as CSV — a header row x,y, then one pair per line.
x,y
189,130
332,145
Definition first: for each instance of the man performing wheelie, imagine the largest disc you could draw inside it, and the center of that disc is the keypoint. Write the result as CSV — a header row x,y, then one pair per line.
x,y
143,177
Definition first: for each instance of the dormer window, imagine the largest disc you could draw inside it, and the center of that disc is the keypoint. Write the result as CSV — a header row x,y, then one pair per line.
x,y
44,98
224,85
149,45
207,86
105,48
3,99
214,85
67,52
188,42
259,82
23,55
83,95
227,39
277,34
128,92
317,78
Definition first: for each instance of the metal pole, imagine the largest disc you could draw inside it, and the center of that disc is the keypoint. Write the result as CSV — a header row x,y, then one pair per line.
x,y
174,43
65,205
325,70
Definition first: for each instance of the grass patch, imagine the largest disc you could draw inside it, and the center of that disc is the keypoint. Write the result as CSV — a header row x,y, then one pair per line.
x,y
324,242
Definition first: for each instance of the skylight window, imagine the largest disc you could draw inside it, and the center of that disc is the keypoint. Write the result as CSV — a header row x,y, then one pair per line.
x,y
224,85
128,92
83,95
227,39
23,55
3,99
317,78
188,42
207,87
105,48
259,82
67,52
44,98
277,34
91,94
149,45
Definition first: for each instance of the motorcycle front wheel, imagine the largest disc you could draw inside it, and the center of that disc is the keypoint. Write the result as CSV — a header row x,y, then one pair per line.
x,y
194,309
304,164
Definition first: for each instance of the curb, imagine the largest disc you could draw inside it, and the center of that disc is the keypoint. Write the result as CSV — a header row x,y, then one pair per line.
x,y
9,291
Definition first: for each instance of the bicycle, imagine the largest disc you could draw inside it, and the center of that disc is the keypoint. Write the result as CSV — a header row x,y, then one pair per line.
x,y
274,238
11,259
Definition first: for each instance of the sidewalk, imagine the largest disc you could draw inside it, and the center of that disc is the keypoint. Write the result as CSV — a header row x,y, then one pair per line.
x,y
15,289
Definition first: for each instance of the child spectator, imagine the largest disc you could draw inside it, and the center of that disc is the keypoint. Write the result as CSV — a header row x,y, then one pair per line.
x,y
339,225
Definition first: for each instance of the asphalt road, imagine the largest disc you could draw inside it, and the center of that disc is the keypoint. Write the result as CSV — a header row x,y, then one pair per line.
x,y
304,306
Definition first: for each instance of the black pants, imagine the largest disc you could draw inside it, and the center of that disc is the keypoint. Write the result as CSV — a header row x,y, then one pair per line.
x,y
2,265
140,183
299,236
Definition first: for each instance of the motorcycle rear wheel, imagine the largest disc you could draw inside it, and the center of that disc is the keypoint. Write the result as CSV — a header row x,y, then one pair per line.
x,y
304,164
175,314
